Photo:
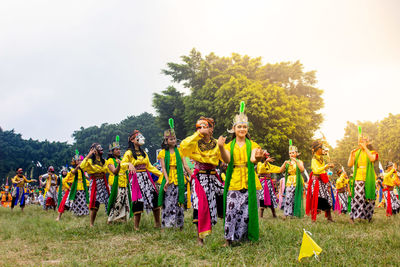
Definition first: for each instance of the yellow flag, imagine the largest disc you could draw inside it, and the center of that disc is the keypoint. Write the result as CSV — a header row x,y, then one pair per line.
x,y
308,247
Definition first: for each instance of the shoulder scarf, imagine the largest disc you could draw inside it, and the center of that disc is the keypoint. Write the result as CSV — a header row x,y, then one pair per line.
x,y
74,186
298,193
114,193
181,181
253,227
59,197
369,180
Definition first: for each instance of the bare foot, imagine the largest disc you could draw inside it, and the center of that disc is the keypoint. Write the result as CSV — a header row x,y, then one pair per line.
x,y
227,243
200,241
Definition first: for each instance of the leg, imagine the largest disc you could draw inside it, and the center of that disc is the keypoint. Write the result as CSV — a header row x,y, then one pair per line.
x,y
59,216
93,214
136,219
261,212
273,211
156,213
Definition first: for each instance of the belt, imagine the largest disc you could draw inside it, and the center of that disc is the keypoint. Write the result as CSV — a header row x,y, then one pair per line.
x,y
341,190
172,167
97,175
240,166
208,171
389,188
361,167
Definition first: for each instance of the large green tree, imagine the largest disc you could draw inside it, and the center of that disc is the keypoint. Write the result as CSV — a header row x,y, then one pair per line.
x,y
282,99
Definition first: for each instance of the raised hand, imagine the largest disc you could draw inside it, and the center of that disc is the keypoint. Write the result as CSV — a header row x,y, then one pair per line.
x,y
259,154
221,141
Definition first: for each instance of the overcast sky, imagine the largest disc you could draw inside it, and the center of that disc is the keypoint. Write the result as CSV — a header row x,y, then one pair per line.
x,y
67,64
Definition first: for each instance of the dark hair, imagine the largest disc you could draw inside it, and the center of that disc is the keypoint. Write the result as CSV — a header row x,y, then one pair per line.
x,y
315,146
339,172
110,154
93,157
131,147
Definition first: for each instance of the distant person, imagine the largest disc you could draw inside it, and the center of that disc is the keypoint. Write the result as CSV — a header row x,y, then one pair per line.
x,y
19,181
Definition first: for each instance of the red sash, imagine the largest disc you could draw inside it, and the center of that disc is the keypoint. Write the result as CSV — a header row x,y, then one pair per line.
x,y
389,203
203,211
93,191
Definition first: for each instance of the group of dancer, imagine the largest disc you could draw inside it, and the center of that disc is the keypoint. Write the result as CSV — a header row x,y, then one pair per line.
x,y
236,195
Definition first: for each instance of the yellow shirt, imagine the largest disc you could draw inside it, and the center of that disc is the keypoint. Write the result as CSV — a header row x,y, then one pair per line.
x,y
195,148
20,181
389,178
173,175
70,179
128,158
362,166
267,167
122,179
240,177
291,179
318,165
88,166
341,182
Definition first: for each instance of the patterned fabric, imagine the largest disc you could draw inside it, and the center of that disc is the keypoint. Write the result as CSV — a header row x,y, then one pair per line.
x,y
203,146
267,185
324,196
120,210
79,206
17,196
394,200
237,215
360,207
343,198
172,213
149,194
288,209
51,196
102,192
67,202
214,189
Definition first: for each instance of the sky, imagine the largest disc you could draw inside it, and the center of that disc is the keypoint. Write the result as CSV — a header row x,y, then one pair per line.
x,y
71,64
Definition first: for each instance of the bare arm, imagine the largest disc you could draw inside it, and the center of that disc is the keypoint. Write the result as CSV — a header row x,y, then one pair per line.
x,y
225,155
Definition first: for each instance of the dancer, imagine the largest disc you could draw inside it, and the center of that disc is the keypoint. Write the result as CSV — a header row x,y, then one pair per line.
x,y
144,191
120,202
318,191
96,167
240,195
390,177
172,190
293,205
19,181
267,194
342,190
50,189
363,186
207,186
63,192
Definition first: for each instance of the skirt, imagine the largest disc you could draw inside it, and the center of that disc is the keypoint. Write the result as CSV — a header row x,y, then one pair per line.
x,y
101,194
267,185
214,191
394,200
324,195
79,206
288,209
51,196
65,203
17,195
121,209
237,215
149,199
343,199
172,212
360,207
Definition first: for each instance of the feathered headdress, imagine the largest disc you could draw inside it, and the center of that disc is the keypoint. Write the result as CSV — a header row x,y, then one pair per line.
x,y
240,118
292,148
114,144
170,132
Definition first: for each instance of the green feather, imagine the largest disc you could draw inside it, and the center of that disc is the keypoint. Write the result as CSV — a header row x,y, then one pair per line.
x,y
76,152
171,123
242,105
117,139
359,130
290,142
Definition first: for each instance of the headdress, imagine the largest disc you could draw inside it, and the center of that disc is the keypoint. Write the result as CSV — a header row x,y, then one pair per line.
x,y
292,148
114,144
203,121
170,132
388,165
240,118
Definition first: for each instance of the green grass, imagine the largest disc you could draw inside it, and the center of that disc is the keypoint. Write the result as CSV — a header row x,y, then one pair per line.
x,y
35,238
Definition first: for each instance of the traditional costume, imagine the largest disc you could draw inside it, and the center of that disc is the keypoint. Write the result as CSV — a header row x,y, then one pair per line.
x,y
392,202
120,202
342,184
63,192
207,186
97,169
19,181
50,195
78,197
144,190
363,189
267,195
319,189
240,191
173,199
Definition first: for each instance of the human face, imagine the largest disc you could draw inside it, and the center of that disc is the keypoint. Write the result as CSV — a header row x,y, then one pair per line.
x,y
99,150
293,154
241,130
117,152
171,141
319,151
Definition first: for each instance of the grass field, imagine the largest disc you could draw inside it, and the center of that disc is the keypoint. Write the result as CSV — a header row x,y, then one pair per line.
x,y
35,238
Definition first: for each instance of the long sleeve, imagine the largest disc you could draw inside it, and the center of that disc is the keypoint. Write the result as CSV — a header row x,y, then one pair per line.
x,y
317,167
188,145
151,168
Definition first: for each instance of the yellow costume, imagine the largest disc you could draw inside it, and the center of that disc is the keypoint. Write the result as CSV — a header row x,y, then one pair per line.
x,y
122,179
195,148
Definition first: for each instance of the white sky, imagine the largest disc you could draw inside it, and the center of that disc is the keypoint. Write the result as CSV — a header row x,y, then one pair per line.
x,y
67,64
